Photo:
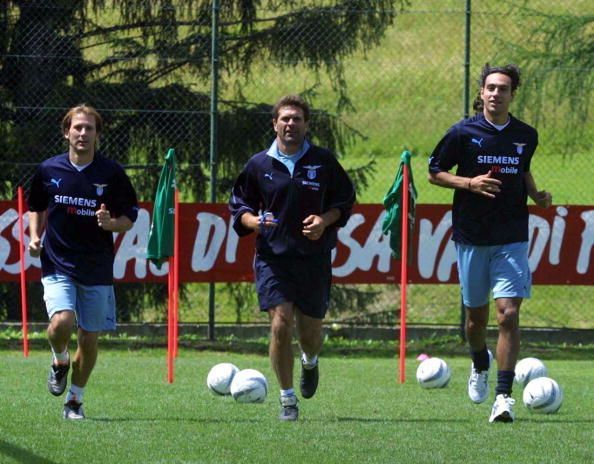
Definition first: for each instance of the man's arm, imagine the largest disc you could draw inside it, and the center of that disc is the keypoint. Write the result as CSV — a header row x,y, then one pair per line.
x,y
482,185
250,221
541,198
36,225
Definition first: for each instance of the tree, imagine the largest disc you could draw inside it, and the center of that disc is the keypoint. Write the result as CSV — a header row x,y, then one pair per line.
x,y
146,67
558,61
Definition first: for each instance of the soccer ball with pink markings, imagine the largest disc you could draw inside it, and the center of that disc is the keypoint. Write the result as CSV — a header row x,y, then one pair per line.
x,y
433,373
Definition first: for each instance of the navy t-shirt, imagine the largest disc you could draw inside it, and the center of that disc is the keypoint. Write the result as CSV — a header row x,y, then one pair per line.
x,y
318,184
474,146
74,245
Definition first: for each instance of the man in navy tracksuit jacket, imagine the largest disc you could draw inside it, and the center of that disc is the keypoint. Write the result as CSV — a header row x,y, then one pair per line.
x,y
295,196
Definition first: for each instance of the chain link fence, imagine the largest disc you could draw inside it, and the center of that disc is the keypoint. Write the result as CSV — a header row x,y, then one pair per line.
x,y
381,76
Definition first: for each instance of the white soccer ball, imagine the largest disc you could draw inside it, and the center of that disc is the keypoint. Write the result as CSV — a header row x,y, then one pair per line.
x,y
219,378
249,386
543,395
433,373
528,369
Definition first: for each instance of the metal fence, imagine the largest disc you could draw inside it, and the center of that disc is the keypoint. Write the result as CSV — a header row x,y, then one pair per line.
x,y
381,75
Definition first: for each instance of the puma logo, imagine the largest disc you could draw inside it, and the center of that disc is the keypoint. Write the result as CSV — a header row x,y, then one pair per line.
x,y
479,142
56,182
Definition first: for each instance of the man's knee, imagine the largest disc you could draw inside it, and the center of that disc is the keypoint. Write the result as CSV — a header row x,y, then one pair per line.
x,y
281,327
508,318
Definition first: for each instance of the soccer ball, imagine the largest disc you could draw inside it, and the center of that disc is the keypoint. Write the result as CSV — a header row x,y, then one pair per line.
x,y
249,386
219,378
528,369
543,395
433,373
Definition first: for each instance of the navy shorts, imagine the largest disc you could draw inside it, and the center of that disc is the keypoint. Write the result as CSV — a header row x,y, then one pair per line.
x,y
302,280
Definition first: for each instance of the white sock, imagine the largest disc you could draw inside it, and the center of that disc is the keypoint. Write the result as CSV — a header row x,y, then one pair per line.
x,y
75,393
287,392
61,358
309,362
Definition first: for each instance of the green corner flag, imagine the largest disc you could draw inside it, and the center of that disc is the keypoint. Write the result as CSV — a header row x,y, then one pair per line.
x,y
393,203
160,243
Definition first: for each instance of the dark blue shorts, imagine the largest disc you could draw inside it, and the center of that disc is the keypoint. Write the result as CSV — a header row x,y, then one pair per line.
x,y
302,280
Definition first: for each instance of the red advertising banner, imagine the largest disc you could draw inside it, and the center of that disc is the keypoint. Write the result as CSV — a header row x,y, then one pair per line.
x,y
561,247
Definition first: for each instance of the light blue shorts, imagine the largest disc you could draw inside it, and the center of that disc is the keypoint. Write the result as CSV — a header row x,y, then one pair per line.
x,y
504,269
94,305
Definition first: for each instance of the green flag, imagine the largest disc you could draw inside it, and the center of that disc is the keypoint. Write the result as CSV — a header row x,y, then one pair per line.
x,y
160,243
393,203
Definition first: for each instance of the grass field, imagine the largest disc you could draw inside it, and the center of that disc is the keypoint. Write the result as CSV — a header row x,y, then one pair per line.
x,y
359,415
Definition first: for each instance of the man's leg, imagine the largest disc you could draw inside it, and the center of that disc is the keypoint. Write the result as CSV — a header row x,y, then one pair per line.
x,y
60,329
82,366
85,357
309,331
508,343
476,334
508,348
476,327
281,356
59,332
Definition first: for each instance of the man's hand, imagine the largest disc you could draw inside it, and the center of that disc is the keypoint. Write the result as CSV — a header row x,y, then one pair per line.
x,y
104,218
35,247
543,199
313,227
484,185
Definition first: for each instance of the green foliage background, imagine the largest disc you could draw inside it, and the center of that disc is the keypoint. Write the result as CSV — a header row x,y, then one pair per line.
x,y
381,75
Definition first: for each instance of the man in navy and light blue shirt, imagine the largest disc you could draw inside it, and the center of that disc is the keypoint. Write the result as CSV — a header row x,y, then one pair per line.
x,y
295,196
81,198
492,152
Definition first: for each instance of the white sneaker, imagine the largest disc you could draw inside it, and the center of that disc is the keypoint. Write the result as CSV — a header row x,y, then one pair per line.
x,y
502,409
289,409
478,382
73,411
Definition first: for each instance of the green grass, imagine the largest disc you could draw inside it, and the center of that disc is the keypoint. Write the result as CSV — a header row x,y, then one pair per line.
x,y
427,304
360,414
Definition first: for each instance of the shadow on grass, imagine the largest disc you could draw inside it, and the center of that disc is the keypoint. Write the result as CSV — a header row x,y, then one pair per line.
x,y
21,454
236,420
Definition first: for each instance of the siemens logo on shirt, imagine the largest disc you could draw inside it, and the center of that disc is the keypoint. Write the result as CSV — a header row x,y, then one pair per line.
x,y
497,159
501,164
73,202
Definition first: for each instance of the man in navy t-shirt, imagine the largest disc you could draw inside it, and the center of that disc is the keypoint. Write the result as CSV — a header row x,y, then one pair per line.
x,y
295,196
492,152
80,198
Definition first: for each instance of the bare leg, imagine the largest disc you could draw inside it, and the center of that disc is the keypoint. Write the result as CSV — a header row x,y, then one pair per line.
x,y
281,347
476,326
60,329
508,343
309,330
85,357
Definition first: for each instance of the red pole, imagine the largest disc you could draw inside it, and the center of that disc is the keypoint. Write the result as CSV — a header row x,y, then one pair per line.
x,y
403,272
176,273
170,322
24,311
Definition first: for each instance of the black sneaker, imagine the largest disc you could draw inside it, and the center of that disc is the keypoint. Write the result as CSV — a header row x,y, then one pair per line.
x,y
289,410
57,379
309,380
73,411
